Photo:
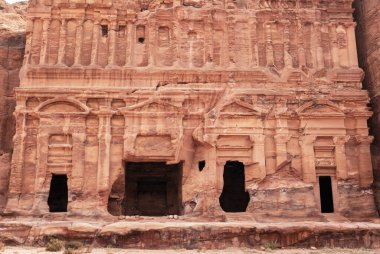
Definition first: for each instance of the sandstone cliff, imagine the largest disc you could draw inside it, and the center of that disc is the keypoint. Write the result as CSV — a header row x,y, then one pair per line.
x,y
367,15
12,43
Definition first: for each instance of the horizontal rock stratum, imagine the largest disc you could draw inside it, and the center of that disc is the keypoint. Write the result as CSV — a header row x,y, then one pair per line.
x,y
196,235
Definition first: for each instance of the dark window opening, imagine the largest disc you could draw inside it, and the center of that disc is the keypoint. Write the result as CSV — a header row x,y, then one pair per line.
x,y
104,30
234,198
325,190
58,194
140,33
152,189
201,165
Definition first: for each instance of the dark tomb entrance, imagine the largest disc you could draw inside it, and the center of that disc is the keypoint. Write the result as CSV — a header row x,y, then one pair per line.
x,y
325,190
58,194
234,198
152,189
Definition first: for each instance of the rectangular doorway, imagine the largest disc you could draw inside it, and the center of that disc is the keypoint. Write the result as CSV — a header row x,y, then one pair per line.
x,y
58,194
152,189
326,194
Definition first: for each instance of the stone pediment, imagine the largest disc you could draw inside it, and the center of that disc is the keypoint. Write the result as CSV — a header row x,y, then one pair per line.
x,y
152,107
62,105
320,109
238,107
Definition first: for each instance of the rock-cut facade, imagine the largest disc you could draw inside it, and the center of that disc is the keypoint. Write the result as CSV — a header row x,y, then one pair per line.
x,y
191,107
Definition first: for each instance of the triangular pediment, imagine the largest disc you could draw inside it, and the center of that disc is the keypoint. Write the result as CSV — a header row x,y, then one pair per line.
x,y
321,109
239,107
153,106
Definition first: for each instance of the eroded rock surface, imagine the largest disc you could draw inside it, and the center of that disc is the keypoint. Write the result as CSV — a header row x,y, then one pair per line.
x,y
195,235
12,43
368,35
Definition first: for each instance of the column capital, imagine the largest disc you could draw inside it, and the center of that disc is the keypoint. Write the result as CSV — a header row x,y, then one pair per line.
x,y
258,139
282,138
307,139
364,140
341,140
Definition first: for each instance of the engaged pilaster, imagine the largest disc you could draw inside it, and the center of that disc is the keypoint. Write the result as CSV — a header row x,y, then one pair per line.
x,y
104,137
62,43
78,44
340,156
44,43
365,162
259,154
308,158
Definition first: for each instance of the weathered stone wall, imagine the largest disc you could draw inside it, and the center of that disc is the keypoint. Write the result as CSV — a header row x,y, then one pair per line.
x,y
367,15
273,85
12,43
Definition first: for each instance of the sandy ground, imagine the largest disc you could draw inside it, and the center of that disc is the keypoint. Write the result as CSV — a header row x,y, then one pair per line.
x,y
31,250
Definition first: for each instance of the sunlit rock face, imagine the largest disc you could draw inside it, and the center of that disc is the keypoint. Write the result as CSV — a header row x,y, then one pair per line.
x,y
195,107
368,36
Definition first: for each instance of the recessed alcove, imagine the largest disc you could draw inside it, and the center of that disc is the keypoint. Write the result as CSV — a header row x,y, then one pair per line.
x,y
152,189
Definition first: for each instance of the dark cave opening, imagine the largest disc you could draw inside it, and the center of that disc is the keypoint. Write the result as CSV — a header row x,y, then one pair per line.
x,y
234,198
58,194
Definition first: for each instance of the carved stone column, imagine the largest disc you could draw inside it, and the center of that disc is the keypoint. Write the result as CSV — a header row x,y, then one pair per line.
x,y
259,153
352,49
281,151
42,181
130,42
287,56
342,46
15,184
41,164
215,170
334,46
308,158
28,42
269,53
313,45
365,163
319,50
212,160
301,44
78,43
62,43
95,43
208,39
44,42
78,157
253,56
340,156
104,137
112,45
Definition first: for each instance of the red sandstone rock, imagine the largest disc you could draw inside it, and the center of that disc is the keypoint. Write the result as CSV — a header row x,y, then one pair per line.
x,y
121,102
195,235
12,36
368,17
